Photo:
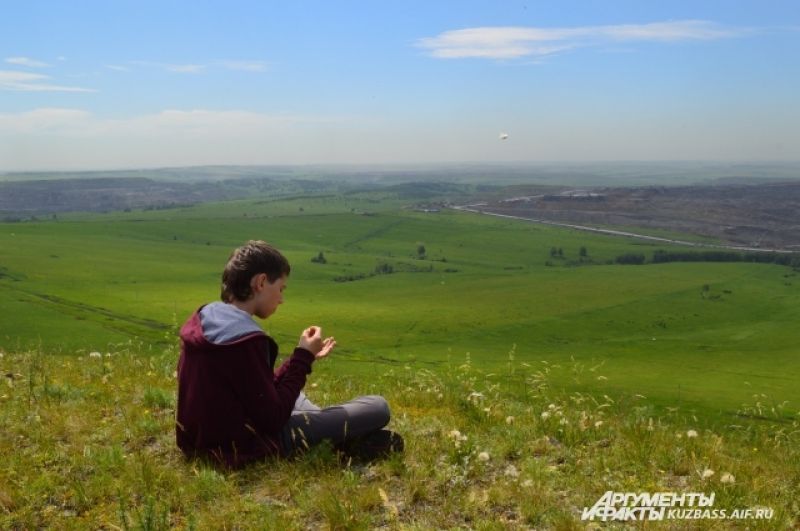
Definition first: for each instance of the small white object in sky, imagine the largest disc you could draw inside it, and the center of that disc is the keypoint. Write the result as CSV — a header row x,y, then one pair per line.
x,y
503,136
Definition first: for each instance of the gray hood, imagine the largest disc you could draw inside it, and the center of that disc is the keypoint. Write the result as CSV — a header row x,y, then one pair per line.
x,y
225,323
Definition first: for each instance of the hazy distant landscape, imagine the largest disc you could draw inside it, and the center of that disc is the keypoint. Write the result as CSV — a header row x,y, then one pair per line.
x,y
753,205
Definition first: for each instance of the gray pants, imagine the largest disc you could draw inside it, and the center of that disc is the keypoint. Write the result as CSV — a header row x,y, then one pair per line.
x,y
309,424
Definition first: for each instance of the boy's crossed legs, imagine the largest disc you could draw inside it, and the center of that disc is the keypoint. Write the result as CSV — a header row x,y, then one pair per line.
x,y
356,423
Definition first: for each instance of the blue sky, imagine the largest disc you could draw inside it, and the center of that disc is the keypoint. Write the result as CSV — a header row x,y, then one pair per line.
x,y
93,85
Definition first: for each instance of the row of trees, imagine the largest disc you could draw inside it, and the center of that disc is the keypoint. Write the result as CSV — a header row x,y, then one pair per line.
x,y
661,257
785,259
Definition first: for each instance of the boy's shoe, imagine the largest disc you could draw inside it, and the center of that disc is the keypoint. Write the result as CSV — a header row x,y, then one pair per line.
x,y
375,445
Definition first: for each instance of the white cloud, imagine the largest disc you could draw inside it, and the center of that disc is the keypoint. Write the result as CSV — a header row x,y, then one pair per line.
x,y
185,69
517,42
26,61
232,64
30,82
43,121
74,138
118,68
164,125
171,67
247,66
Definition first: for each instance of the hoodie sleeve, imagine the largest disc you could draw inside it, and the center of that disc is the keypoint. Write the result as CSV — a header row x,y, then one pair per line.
x,y
269,403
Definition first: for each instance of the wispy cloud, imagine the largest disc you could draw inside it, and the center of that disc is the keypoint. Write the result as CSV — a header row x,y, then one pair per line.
x,y
185,69
30,82
230,64
508,42
172,67
118,68
246,66
26,61
195,122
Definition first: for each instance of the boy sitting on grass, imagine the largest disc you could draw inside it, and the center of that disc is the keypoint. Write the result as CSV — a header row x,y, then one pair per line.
x,y
232,406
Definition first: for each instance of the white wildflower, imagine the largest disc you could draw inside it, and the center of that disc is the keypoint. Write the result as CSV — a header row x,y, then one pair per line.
x,y
483,456
509,420
707,473
563,422
545,415
527,483
727,477
475,397
95,354
598,423
551,407
691,434
511,471
457,437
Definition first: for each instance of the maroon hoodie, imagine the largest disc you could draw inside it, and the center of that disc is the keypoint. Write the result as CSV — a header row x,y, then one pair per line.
x,y
231,405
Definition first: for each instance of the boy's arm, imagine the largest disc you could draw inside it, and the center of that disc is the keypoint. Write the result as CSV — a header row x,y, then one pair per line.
x,y
282,369
268,402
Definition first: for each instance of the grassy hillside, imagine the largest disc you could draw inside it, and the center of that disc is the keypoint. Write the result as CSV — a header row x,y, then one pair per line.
x,y
707,336
88,442
524,390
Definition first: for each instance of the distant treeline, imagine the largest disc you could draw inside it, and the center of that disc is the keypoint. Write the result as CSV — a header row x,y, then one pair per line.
x,y
661,257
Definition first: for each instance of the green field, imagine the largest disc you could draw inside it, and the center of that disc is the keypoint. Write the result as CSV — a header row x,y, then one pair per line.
x,y
705,337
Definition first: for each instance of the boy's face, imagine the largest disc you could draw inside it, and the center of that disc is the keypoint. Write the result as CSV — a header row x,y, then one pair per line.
x,y
268,295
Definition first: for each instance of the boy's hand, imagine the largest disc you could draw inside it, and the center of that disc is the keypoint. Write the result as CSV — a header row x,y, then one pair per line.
x,y
327,346
311,340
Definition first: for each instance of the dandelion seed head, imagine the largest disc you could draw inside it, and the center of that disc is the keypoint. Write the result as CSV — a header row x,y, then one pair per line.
x,y
598,423
727,477
95,355
545,415
511,471
483,456
509,420
527,483
707,473
691,434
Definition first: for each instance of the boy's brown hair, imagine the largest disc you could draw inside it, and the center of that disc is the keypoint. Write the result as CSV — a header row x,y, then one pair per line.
x,y
249,260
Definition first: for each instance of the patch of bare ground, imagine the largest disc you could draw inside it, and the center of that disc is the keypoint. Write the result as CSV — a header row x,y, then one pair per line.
x,y
753,215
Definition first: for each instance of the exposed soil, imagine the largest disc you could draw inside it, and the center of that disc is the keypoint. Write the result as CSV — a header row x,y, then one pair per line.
x,y
762,215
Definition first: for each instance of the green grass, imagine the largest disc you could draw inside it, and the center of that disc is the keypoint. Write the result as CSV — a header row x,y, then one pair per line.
x,y
76,286
88,442
646,351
